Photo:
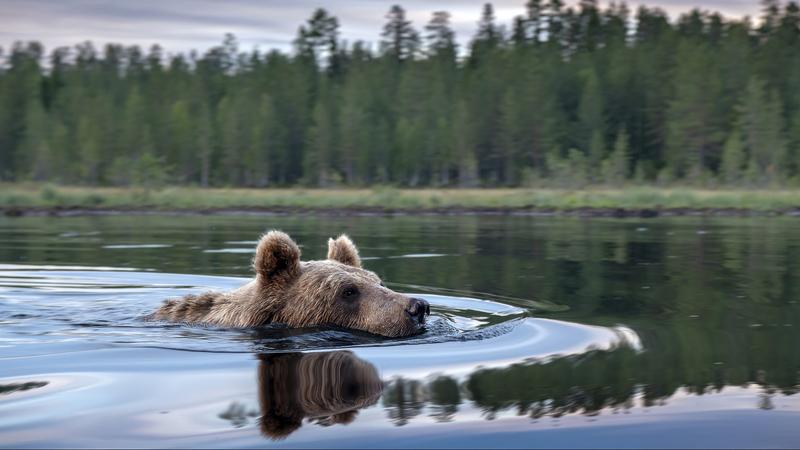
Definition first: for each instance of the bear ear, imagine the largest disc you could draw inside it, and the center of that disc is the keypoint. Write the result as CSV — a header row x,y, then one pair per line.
x,y
343,250
345,418
277,257
281,415
278,427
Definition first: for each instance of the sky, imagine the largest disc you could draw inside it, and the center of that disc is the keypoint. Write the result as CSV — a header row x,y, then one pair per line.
x,y
183,25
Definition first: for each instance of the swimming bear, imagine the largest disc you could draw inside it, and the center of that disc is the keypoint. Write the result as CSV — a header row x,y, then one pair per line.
x,y
336,291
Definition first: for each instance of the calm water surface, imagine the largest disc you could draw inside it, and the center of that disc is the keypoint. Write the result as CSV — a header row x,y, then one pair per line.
x,y
545,332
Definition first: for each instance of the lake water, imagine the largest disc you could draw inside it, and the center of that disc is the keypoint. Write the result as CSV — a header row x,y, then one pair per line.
x,y
545,332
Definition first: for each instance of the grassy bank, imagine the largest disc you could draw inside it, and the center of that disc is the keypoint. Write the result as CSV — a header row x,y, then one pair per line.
x,y
20,198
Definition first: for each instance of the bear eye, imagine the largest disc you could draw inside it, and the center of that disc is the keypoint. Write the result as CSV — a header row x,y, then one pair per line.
x,y
349,293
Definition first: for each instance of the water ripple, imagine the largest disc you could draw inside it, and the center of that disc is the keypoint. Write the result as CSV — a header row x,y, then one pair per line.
x,y
40,306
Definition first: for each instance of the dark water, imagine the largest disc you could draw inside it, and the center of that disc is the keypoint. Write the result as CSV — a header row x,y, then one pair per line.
x,y
546,332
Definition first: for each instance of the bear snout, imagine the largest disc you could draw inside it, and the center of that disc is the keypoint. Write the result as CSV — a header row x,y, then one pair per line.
x,y
418,309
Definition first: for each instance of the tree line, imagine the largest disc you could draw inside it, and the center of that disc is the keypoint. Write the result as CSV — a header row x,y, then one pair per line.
x,y
564,95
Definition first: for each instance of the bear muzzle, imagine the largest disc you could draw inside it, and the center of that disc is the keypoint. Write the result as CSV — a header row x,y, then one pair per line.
x,y
417,309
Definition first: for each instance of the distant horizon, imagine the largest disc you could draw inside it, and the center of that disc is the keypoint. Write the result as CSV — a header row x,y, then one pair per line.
x,y
182,26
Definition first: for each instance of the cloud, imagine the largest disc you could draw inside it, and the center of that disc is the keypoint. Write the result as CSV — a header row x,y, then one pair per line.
x,y
183,25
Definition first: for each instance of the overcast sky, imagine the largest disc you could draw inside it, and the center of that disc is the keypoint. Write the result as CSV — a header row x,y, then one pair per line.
x,y
182,25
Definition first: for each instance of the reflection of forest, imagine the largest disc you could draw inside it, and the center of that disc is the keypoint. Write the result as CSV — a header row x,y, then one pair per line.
x,y
329,388
585,384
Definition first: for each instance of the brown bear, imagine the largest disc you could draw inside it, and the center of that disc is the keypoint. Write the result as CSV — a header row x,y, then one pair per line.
x,y
335,291
327,388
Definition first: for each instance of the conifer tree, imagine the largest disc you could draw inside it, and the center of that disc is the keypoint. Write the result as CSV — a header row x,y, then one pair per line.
x,y
591,119
321,142
763,129
733,158
616,167
400,40
693,132
36,145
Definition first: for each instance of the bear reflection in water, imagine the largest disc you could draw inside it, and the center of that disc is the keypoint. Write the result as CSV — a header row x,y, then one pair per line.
x,y
327,388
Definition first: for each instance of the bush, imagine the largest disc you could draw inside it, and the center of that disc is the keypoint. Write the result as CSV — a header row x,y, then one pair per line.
x,y
49,194
150,171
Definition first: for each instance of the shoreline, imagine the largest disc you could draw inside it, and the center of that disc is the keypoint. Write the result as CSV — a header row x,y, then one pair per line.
x,y
32,199
588,212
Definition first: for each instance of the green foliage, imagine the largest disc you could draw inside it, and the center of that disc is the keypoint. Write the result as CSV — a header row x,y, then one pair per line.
x,y
570,171
616,167
591,119
693,131
149,171
321,142
763,126
417,112
50,194
733,158
400,40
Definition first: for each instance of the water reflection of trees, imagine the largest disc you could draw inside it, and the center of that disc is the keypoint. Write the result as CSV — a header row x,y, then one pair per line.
x,y
445,396
329,388
612,380
403,400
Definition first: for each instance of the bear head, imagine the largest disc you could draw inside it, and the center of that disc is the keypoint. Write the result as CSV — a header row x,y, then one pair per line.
x,y
336,291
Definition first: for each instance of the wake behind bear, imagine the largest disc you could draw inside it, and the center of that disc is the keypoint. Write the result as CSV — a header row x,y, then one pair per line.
x,y
336,291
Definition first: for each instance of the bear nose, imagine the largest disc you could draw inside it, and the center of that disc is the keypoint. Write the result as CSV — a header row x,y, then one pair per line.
x,y
417,309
